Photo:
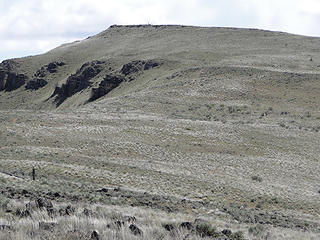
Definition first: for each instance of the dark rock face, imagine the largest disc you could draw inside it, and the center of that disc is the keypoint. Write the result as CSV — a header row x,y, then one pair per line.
x,y
81,79
8,65
35,84
10,81
132,67
3,76
50,68
136,66
106,85
112,81
41,73
77,82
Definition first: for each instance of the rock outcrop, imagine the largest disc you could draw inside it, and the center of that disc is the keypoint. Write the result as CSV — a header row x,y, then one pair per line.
x,y
137,66
8,65
106,85
50,68
10,81
36,83
77,82
82,79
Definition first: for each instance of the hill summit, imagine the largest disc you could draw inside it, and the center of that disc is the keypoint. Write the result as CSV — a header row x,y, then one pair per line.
x,y
124,60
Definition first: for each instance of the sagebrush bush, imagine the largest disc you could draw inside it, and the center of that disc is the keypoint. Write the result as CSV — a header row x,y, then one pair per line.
x,y
206,230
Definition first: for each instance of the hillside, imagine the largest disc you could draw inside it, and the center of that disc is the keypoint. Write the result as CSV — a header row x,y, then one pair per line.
x,y
189,122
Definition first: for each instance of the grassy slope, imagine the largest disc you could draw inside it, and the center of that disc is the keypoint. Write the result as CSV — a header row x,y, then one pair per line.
x,y
187,46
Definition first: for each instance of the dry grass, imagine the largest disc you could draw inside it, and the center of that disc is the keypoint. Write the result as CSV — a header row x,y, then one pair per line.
x,y
101,219
80,226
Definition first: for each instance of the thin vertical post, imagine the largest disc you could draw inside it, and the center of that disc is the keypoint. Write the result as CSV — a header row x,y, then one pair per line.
x,y
33,174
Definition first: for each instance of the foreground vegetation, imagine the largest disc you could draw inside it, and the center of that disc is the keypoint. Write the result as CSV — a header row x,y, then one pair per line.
x,y
40,219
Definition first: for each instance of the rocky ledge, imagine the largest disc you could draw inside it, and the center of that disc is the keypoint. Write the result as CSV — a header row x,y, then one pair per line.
x,y
10,81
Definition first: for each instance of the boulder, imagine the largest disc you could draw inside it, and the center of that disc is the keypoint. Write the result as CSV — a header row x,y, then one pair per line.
x,y
52,67
169,227
226,232
135,230
42,72
95,235
187,225
103,190
25,193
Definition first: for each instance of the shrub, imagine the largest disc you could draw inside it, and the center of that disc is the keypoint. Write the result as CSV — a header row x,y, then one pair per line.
x,y
206,230
237,236
4,202
256,230
256,178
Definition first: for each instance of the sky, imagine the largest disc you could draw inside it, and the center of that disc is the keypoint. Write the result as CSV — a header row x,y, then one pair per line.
x,y
29,27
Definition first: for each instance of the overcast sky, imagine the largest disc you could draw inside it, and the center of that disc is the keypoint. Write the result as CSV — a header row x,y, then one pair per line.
x,y
29,27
